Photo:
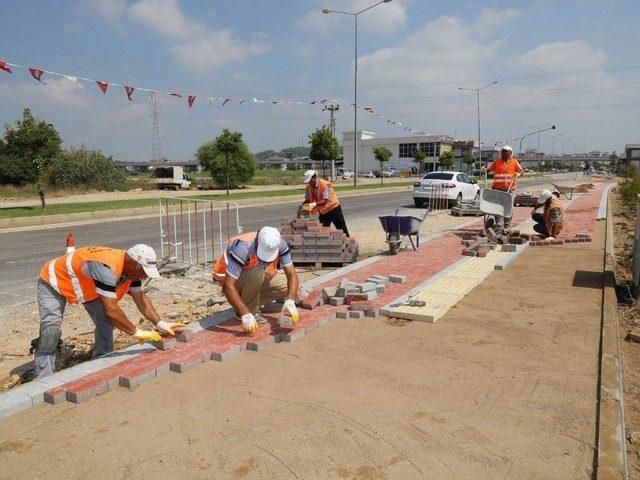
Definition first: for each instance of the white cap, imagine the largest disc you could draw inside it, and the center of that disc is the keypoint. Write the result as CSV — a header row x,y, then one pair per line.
x,y
508,148
145,256
308,174
544,196
268,244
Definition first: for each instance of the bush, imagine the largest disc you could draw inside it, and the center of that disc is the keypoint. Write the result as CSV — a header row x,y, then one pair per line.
x,y
79,166
629,190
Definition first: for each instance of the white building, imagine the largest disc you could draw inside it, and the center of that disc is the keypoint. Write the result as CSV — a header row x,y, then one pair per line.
x,y
402,149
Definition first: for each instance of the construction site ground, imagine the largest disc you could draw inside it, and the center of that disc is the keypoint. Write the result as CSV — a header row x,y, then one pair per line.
x,y
175,296
503,386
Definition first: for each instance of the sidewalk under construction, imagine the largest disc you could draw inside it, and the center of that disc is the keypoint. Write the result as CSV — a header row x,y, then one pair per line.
x,y
504,385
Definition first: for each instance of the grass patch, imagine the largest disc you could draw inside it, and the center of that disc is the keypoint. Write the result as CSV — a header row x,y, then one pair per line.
x,y
66,208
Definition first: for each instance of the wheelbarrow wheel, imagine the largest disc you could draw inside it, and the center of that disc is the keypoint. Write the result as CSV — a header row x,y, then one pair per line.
x,y
394,243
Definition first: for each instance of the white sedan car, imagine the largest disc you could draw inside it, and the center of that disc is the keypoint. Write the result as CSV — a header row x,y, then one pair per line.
x,y
456,187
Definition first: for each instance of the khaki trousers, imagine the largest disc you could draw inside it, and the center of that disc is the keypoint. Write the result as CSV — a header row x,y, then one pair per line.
x,y
256,287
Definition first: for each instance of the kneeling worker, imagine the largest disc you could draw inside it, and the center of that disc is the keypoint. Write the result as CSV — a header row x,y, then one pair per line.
x,y
321,198
550,222
247,271
97,277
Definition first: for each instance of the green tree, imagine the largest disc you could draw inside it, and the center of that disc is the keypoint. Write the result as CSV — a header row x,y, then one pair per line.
x,y
468,160
324,147
40,168
90,168
447,159
382,154
24,141
419,157
227,159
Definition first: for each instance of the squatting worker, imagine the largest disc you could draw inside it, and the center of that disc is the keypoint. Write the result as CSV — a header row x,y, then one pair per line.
x,y
320,197
97,277
550,222
247,270
505,170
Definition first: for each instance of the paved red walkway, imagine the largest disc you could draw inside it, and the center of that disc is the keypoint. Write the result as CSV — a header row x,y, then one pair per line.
x,y
224,340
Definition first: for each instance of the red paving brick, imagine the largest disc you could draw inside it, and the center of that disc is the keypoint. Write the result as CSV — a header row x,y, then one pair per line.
x,y
224,340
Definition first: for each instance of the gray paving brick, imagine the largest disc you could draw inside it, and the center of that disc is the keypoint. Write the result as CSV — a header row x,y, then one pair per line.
x,y
397,278
223,356
13,402
292,337
342,314
132,381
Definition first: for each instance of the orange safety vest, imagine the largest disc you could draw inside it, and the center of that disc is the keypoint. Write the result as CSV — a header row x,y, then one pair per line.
x,y
66,277
220,267
332,201
504,172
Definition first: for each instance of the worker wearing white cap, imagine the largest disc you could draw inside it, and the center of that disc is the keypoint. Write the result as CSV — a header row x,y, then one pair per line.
x,y
248,271
550,222
321,198
97,277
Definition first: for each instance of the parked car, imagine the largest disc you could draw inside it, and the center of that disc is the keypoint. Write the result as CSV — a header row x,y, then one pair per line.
x,y
343,173
368,174
457,188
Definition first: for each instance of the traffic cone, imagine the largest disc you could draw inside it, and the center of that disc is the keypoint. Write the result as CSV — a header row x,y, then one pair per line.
x,y
71,244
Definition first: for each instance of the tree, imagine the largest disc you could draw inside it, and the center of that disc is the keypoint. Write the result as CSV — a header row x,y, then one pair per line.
x,y
40,168
419,157
27,139
382,155
227,159
324,147
468,160
90,168
447,159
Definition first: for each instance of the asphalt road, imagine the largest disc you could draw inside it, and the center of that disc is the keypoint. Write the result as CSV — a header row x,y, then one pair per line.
x,y
22,254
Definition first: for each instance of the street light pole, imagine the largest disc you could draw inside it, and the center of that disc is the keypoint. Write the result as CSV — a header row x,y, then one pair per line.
x,y
355,84
477,90
552,127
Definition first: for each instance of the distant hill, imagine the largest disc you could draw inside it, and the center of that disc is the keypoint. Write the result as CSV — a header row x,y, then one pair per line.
x,y
285,152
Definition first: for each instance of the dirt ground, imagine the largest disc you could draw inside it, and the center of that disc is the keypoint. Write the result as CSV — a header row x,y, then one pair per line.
x,y
629,317
179,297
504,386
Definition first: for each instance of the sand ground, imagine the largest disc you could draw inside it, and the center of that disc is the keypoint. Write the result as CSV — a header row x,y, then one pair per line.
x,y
503,386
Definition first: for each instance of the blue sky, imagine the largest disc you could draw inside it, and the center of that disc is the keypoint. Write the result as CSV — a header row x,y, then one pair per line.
x,y
572,63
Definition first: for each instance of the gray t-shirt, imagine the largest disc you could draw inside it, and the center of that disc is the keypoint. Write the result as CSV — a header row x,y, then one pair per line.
x,y
105,279
239,251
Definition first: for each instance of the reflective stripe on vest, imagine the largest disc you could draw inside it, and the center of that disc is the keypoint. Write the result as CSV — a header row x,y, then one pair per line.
x,y
504,173
332,200
66,277
219,271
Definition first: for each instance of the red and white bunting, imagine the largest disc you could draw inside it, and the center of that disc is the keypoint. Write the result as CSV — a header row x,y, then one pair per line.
x,y
103,86
175,94
5,67
225,101
190,100
129,92
37,74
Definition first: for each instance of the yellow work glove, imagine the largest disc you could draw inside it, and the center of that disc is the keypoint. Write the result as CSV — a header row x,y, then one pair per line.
x,y
290,308
311,206
249,324
549,239
166,327
142,335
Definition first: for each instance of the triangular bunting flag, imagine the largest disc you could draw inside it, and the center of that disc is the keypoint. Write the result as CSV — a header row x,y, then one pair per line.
x,y
37,74
129,91
242,101
226,100
190,100
3,66
103,86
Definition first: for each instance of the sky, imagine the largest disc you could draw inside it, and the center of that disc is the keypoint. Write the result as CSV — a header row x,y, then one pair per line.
x,y
571,63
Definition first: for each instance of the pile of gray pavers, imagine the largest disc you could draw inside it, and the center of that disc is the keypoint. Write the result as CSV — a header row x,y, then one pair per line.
x,y
312,243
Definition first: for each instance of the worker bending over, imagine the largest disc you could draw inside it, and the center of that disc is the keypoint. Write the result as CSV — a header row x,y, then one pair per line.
x,y
247,270
550,222
505,171
97,277
320,197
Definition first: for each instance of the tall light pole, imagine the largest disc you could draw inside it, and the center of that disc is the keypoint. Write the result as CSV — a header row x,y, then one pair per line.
x,y
552,127
477,90
355,84
553,149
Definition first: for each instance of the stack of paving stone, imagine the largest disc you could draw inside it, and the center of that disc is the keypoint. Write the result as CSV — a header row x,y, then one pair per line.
x,y
464,209
477,245
312,243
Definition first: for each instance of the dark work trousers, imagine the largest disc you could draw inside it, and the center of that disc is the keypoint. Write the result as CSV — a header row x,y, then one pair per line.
x,y
334,216
540,226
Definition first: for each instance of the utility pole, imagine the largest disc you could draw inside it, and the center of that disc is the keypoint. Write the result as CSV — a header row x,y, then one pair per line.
x,y
332,126
155,128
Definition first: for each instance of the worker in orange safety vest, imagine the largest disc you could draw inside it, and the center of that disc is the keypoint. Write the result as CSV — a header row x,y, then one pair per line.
x,y
321,198
505,171
247,270
97,277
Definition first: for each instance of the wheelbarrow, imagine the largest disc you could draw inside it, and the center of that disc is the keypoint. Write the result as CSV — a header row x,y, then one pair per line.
x,y
497,207
396,226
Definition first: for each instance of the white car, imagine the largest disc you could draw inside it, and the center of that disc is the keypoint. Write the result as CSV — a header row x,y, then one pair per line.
x,y
345,173
366,175
456,187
